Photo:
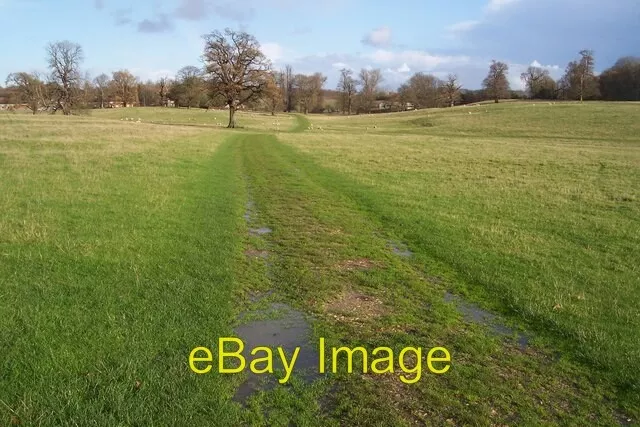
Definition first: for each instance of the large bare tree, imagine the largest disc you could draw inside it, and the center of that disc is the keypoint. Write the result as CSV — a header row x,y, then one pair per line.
x,y
496,84
64,59
451,89
238,68
125,86
348,87
586,73
102,85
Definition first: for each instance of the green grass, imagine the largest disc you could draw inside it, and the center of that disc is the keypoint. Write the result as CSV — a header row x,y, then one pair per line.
x,y
199,117
121,249
533,207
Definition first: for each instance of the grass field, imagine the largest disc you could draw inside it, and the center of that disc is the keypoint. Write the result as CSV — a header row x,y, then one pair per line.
x,y
123,246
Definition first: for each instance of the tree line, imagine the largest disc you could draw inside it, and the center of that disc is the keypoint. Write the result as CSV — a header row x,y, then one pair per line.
x,y
236,74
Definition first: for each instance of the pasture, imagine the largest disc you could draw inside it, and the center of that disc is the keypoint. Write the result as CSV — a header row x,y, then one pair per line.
x,y
125,244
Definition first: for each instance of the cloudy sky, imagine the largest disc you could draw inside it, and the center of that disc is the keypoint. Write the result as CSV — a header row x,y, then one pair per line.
x,y
157,37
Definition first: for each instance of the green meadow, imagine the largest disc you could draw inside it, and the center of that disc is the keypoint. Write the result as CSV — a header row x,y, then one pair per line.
x,y
124,245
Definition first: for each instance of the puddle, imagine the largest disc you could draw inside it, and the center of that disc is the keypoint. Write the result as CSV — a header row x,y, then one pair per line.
x,y
471,313
260,231
254,254
399,249
286,328
248,210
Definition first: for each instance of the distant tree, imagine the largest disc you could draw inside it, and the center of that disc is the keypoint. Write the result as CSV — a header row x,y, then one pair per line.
x,y
309,89
125,87
288,84
451,90
88,93
422,90
273,93
622,81
190,85
586,73
64,59
163,90
348,87
30,89
468,96
102,83
496,84
369,82
579,81
148,94
532,79
238,68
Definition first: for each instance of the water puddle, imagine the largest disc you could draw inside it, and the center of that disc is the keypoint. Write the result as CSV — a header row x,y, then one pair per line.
x,y
256,254
471,313
399,249
248,213
279,326
260,231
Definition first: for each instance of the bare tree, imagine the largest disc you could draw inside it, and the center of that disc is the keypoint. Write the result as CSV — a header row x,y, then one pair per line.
x,y
102,84
369,80
273,92
163,86
451,89
125,86
586,71
496,83
189,84
238,69
289,88
579,81
539,83
309,88
64,59
348,87
30,89
532,78
422,90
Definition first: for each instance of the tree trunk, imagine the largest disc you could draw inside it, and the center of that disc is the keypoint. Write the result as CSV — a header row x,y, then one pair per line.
x,y
497,100
232,120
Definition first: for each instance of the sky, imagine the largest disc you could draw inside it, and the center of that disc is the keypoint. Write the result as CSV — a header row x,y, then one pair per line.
x,y
155,38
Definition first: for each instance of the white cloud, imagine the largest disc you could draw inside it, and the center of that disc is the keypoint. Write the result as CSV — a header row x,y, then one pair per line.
x,y
463,26
378,37
535,63
404,68
273,51
497,5
340,66
414,59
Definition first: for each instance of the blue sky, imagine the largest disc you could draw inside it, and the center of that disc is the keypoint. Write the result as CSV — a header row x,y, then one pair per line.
x,y
155,38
